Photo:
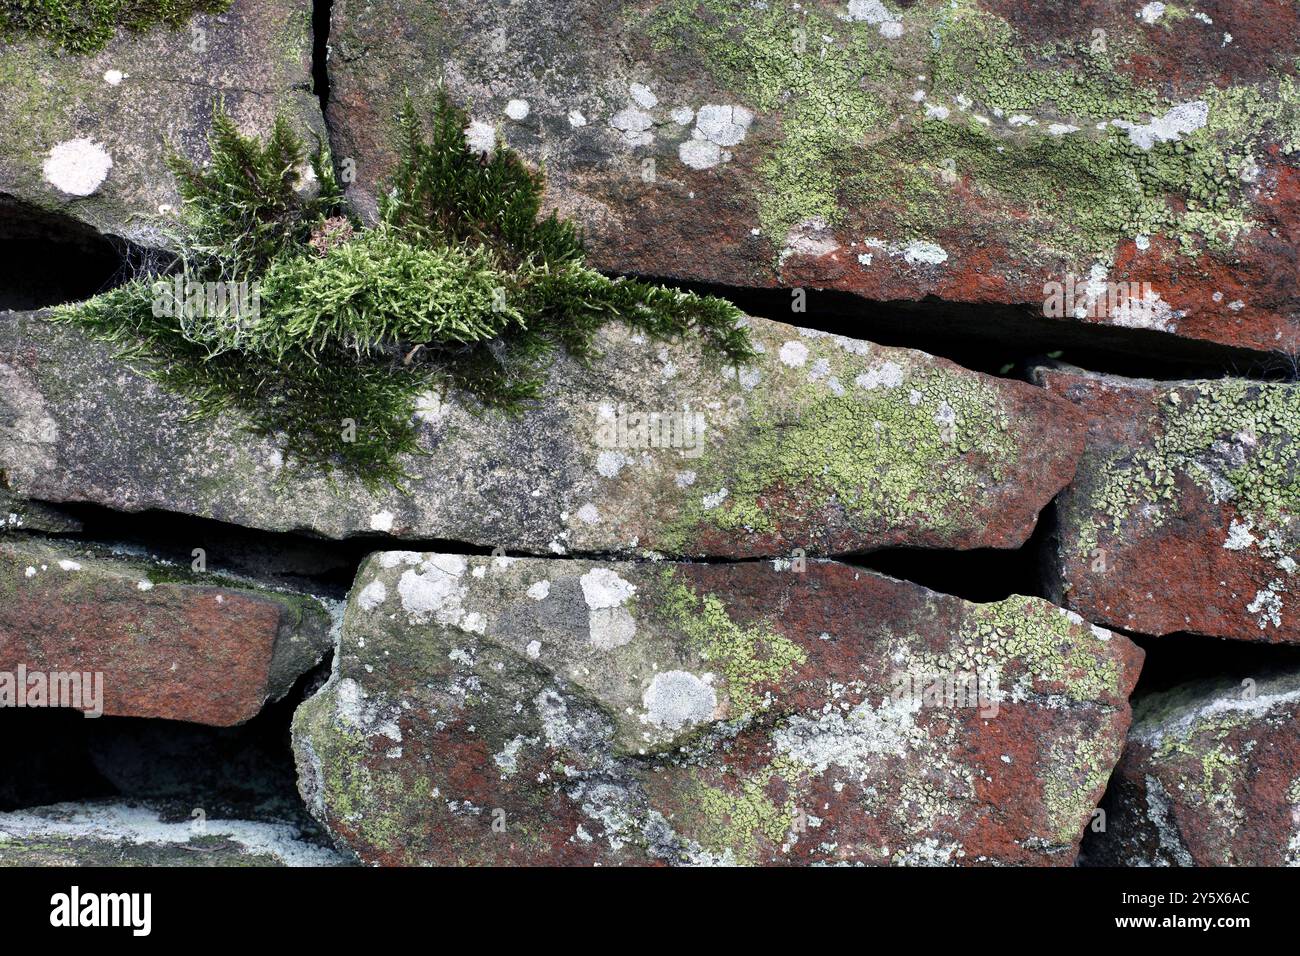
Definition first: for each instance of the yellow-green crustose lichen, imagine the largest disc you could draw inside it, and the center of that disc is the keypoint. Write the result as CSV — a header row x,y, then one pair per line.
x,y
1076,773
889,441
1037,637
748,655
1052,131
730,823
1235,438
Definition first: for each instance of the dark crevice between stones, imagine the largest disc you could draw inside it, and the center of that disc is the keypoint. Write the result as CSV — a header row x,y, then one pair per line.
x,y
1177,660
320,77
981,575
49,259
1002,340
302,561
245,772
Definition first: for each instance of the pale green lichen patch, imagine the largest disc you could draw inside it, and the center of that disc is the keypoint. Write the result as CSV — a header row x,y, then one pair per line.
x,y
750,656
1028,634
887,440
1055,133
1075,774
728,823
1235,439
811,69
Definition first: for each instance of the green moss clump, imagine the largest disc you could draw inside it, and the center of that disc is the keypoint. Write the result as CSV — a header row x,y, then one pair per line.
x,y
461,285
85,26
749,656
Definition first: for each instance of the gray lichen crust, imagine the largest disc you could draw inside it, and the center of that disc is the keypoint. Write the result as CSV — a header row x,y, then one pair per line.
x,y
823,444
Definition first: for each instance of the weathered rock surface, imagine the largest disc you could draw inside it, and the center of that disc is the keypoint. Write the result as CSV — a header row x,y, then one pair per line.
x,y
897,151
85,134
166,643
1185,513
1210,777
826,444
123,834
497,710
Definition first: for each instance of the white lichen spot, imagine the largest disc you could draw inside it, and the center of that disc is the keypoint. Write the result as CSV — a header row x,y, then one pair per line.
x,y
1239,536
481,138
886,374
576,119
588,513
793,354
539,590
382,521
1267,605
610,627
67,565
77,167
372,595
518,109
144,585
604,588
713,500
1151,12
114,77
677,699
643,96
610,463
635,125
534,649
507,759
1177,122
430,408
928,253
723,124
699,153
682,115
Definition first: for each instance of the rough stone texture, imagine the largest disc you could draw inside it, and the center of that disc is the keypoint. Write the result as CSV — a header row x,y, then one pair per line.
x,y
61,115
122,834
1210,777
168,644
826,444
972,152
498,710
1185,513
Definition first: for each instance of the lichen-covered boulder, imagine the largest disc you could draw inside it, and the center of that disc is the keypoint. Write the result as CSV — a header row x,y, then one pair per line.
x,y
1101,163
136,638
138,834
824,444
499,710
1210,777
1185,513
85,133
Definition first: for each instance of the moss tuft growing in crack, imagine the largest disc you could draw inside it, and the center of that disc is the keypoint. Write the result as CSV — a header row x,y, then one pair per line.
x,y
86,26
324,334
